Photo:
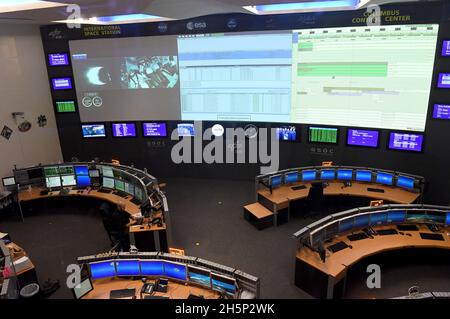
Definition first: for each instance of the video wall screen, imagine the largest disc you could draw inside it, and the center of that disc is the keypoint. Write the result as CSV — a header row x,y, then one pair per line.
x,y
331,76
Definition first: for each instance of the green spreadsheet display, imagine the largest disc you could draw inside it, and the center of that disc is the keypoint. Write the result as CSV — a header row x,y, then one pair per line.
x,y
65,107
51,171
66,170
323,135
120,185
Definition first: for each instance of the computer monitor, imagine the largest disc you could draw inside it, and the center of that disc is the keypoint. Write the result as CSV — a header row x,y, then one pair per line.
x,y
327,174
129,188
94,173
361,221
102,269
35,173
405,182
346,224
443,81
275,180
309,175
66,170
93,130
199,276
120,185
364,176
223,283
82,173
154,129
138,194
185,129
68,180
152,268
385,178
107,171
378,218
83,288
345,174
62,83
53,182
175,271
108,183
8,181
447,219
128,267
328,135
445,48
65,107
51,171
286,133
82,170
291,177
123,129
396,216
58,59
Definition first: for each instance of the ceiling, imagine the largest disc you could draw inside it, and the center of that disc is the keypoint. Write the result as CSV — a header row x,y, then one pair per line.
x,y
173,9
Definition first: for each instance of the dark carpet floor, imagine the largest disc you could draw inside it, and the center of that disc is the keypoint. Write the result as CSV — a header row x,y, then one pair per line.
x,y
207,221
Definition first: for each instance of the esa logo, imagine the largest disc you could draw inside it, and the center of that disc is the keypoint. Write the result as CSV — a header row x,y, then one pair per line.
x,y
195,25
162,27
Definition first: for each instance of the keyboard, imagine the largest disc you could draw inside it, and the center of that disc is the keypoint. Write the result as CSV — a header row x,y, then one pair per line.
x,y
122,293
135,201
376,190
105,191
121,194
299,187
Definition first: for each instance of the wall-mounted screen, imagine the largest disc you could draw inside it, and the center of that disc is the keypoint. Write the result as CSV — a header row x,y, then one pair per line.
x,y
287,133
93,130
58,59
444,81
323,135
310,76
441,111
185,129
364,138
123,129
405,182
445,48
103,269
62,83
405,141
154,129
65,107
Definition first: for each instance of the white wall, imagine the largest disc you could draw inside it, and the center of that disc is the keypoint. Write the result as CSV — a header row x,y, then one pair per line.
x,y
24,87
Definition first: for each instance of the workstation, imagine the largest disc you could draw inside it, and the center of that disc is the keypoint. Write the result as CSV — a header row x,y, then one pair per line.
x,y
170,149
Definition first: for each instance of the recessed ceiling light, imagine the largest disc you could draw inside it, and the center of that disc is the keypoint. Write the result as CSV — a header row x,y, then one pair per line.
x,y
22,5
117,19
305,6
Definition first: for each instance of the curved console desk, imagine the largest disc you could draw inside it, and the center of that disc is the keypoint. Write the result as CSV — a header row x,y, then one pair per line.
x,y
330,246
137,190
275,192
187,276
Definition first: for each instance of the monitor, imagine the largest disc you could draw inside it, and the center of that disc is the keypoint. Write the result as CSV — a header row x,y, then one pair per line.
x,y
447,219
66,170
345,174
175,271
385,178
412,142
102,269
61,84
445,48
199,276
286,133
58,59
129,189
119,185
154,129
107,171
185,129
275,180
83,288
94,173
291,177
82,170
68,180
65,107
363,176
327,174
128,267
8,181
396,216
108,182
35,173
51,171
327,135
123,129
361,221
435,217
405,182
444,81
93,130
346,224
441,111
378,218
152,268
363,138
52,182
83,181
139,194
309,175
223,283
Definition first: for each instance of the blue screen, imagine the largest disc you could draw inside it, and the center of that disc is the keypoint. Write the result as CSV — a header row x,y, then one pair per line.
x,y
81,170
361,221
396,216
275,180
346,225
152,268
309,175
128,267
447,221
406,182
384,178
200,277
364,176
219,284
344,174
291,177
327,174
103,269
378,218
175,271
83,181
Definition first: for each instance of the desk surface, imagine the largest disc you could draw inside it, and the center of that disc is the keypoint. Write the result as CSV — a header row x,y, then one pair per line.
x,y
285,193
336,263
103,287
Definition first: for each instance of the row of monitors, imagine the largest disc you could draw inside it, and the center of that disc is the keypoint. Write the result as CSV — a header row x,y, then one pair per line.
x,y
380,218
162,268
343,174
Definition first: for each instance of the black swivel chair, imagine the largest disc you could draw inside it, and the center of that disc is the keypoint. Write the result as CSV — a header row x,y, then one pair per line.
x,y
315,198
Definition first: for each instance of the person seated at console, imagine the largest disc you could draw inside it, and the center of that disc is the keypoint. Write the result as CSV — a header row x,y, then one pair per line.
x,y
106,213
120,222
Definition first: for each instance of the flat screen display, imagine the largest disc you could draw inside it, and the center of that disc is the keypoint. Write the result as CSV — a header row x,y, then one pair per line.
x,y
323,135
344,174
124,129
378,218
397,216
222,283
128,267
108,183
385,178
81,170
444,81
327,174
93,130
129,189
291,177
120,185
309,176
58,59
65,107
8,181
66,170
62,83
346,224
405,182
154,129
441,111
152,268
94,173
35,173
364,138
287,133
68,180
447,220
107,171
83,181
361,221
185,129
52,182
445,48
405,141
83,289
175,271
275,180
199,276
364,176
51,171
103,269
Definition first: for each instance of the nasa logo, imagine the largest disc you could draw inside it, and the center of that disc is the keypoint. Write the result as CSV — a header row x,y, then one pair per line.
x,y
162,27
232,23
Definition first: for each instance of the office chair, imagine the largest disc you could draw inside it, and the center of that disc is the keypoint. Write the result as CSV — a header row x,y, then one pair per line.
x,y
315,198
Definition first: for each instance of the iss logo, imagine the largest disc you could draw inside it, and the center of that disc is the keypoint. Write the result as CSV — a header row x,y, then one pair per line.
x,y
56,34
162,27
195,25
232,23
